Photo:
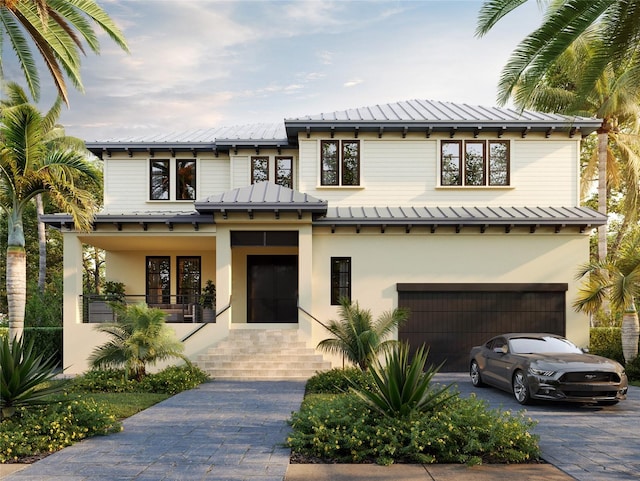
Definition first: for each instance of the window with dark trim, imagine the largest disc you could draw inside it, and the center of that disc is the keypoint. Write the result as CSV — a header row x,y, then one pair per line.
x,y
284,171
159,180
340,279
474,163
340,162
158,289
189,275
185,179
259,169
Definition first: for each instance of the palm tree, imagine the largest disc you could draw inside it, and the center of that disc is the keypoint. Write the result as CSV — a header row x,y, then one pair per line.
x,y
59,29
140,337
619,283
615,98
28,167
358,337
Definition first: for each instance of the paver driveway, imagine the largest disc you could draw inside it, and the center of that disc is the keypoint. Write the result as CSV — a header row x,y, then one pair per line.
x,y
590,443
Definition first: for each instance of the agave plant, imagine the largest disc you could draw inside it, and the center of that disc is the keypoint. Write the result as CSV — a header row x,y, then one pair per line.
x,y
24,376
402,388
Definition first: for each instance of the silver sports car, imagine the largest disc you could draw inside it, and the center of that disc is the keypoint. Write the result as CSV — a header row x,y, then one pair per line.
x,y
546,366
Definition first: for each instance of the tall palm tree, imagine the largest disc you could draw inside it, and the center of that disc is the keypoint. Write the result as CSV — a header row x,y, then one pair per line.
x,y
28,167
358,337
617,282
59,29
140,337
615,98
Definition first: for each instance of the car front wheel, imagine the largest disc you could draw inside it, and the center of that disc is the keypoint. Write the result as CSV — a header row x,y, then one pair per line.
x,y
521,388
474,372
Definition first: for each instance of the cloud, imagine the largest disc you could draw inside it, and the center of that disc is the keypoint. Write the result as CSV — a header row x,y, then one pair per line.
x,y
353,83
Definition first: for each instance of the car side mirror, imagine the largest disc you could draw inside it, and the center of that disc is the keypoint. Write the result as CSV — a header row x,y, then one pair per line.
x,y
585,350
500,350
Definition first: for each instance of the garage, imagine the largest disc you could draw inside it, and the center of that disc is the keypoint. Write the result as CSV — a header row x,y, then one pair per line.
x,y
452,318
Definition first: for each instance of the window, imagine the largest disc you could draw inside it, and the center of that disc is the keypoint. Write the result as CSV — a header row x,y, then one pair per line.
x,y
340,279
185,179
259,169
474,162
159,178
284,171
188,279
340,162
158,280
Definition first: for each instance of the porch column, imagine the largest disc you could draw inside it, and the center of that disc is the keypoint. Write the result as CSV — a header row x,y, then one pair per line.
x,y
305,278
223,274
72,290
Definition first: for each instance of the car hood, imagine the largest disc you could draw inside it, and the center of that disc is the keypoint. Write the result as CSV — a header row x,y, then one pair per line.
x,y
573,362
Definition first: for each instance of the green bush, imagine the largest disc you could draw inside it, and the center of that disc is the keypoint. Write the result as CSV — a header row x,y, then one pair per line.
x,y
171,380
174,379
342,428
633,369
46,341
336,381
606,341
50,428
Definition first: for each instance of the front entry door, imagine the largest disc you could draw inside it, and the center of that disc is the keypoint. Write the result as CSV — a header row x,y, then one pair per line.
x,y
272,289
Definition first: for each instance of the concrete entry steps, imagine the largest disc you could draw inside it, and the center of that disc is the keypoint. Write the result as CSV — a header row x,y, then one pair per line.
x,y
262,354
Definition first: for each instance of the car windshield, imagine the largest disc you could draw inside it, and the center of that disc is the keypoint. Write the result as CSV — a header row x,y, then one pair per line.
x,y
533,345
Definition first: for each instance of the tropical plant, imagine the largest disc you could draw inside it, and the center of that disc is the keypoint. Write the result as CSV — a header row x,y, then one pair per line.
x,y
30,165
59,29
402,387
208,297
618,282
139,338
613,30
24,376
114,291
357,336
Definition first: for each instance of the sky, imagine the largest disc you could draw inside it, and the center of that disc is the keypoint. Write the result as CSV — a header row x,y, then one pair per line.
x,y
198,64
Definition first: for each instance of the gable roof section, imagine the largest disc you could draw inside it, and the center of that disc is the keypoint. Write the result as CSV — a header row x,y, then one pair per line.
x,y
459,217
423,116
428,116
261,197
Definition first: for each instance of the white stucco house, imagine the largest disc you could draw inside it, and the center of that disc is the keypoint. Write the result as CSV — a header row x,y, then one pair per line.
x,y
469,216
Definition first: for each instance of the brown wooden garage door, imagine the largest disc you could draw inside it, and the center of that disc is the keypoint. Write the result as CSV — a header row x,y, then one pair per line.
x,y
452,318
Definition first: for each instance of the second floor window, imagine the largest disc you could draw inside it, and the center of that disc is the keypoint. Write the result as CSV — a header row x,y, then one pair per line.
x,y
474,163
340,162
284,171
259,169
159,178
262,171
185,179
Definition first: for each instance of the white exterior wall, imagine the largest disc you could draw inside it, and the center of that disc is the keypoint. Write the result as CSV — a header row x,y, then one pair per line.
x,y
405,172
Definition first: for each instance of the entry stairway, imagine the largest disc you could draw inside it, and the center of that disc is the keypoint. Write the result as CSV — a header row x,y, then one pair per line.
x,y
262,354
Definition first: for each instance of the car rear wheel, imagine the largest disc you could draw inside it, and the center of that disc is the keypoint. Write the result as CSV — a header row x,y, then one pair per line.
x,y
476,377
521,388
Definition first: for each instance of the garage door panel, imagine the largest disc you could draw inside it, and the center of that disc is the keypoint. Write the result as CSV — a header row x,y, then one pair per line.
x,y
451,322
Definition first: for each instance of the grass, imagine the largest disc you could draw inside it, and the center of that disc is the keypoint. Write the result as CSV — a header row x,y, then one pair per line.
x,y
124,404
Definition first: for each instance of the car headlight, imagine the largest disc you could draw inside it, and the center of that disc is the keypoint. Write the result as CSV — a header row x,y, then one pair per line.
x,y
541,372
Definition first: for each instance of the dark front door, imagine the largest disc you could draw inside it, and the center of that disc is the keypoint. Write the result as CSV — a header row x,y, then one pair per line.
x,y
272,289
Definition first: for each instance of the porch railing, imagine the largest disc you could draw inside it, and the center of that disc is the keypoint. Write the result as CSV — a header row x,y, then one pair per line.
x,y
98,308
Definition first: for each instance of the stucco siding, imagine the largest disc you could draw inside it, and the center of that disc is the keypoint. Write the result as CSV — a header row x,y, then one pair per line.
x,y
379,262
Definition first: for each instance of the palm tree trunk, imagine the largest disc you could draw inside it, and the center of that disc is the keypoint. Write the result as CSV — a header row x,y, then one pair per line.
x,y
42,246
603,138
630,333
16,289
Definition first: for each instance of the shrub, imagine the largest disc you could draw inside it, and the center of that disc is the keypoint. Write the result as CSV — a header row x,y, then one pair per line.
x,y
401,388
24,376
607,342
338,380
633,369
170,380
50,428
46,341
342,428
174,379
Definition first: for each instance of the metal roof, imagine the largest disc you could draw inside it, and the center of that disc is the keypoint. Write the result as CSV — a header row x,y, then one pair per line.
x,y
423,116
263,196
507,217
